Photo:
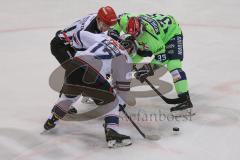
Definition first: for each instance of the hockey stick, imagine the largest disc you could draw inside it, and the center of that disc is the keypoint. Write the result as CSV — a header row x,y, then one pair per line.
x,y
167,100
150,137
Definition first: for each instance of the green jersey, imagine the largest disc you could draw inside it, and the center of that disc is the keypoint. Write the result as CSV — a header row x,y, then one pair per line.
x,y
158,29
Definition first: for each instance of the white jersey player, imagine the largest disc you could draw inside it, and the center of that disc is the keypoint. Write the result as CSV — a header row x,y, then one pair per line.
x,y
61,44
103,56
95,23
100,46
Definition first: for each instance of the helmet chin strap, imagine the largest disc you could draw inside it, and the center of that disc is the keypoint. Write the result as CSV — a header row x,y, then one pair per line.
x,y
99,24
141,29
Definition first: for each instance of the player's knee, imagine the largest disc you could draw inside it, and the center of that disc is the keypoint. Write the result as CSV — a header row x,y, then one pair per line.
x,y
178,75
70,96
175,68
111,121
174,64
60,109
54,45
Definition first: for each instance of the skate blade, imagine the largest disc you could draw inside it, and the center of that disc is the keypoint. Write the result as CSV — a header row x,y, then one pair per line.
x,y
45,132
152,137
115,144
49,132
183,113
87,100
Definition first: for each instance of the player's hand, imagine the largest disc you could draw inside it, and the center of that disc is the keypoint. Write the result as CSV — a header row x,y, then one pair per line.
x,y
114,34
144,72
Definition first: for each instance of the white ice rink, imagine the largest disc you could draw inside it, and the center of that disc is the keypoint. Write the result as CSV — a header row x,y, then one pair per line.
x,y
212,62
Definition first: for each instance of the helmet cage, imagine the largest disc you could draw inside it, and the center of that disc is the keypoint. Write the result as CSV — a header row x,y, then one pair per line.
x,y
134,26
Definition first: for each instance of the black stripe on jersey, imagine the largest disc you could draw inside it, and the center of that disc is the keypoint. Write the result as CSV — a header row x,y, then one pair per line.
x,y
92,27
96,48
70,29
78,36
151,34
103,57
144,53
81,49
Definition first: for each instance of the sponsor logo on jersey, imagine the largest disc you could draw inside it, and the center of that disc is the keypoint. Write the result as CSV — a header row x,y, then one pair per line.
x,y
152,22
176,75
144,45
83,22
160,49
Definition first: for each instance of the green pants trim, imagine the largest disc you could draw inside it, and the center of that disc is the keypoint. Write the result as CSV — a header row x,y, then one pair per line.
x,y
181,86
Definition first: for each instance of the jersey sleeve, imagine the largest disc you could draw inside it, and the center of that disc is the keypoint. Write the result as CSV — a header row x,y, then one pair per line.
x,y
122,22
85,39
151,39
136,58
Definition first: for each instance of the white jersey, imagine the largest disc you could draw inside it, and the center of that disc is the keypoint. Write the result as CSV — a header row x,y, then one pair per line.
x,y
101,47
87,23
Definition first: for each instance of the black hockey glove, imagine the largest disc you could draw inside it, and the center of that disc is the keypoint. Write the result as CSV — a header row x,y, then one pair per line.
x,y
114,34
144,72
122,107
144,53
128,42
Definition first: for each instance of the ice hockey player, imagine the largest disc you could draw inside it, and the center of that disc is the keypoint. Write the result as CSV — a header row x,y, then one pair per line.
x,y
103,56
95,23
61,44
158,36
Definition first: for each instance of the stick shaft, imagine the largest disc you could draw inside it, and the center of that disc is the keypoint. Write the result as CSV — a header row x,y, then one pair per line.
x,y
133,123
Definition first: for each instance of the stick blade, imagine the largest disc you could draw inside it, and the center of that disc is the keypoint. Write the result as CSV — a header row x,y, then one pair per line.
x,y
152,137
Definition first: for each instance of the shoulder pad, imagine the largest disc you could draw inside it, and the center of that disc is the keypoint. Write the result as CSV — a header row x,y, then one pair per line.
x,y
150,24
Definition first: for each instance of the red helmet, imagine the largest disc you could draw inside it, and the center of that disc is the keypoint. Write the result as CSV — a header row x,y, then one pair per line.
x,y
133,26
107,15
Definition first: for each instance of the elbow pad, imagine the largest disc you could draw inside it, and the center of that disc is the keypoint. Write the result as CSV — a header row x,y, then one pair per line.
x,y
113,34
144,53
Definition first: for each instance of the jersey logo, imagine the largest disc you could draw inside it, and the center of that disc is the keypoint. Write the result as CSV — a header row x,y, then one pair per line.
x,y
152,22
107,48
144,45
83,22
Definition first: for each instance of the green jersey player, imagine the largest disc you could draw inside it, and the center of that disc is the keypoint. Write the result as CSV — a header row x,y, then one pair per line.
x,y
158,36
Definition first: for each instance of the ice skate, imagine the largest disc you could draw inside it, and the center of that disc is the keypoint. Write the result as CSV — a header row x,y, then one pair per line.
x,y
50,123
87,100
184,109
72,110
115,139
